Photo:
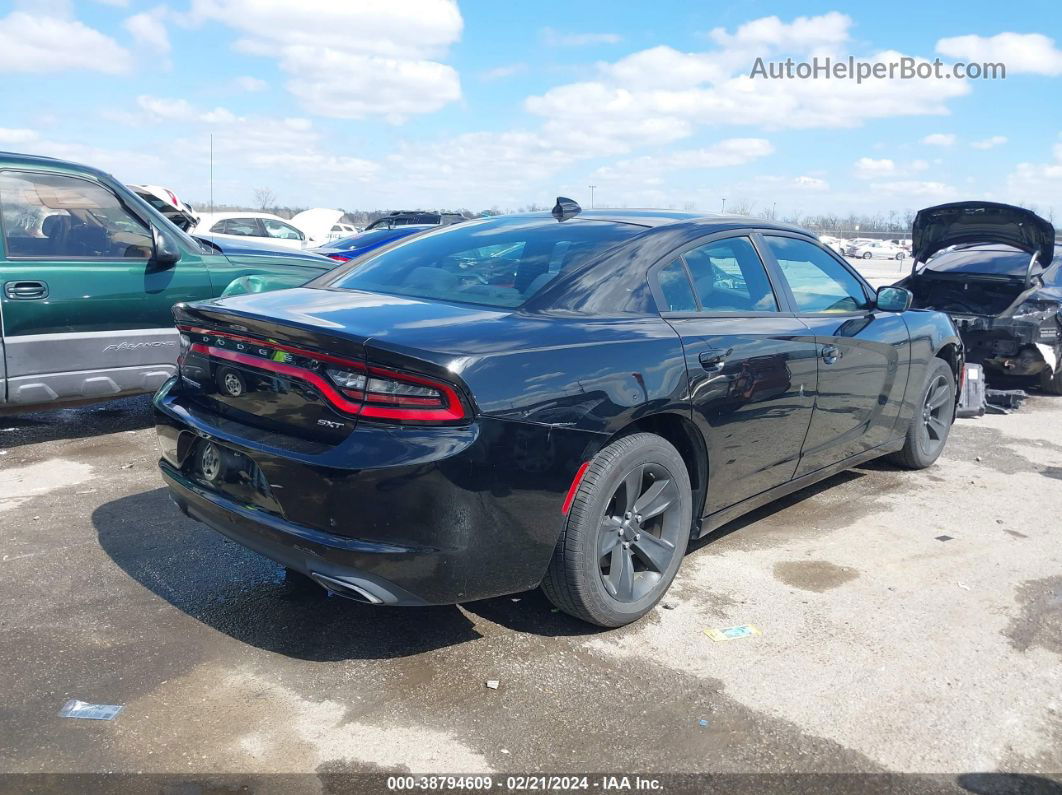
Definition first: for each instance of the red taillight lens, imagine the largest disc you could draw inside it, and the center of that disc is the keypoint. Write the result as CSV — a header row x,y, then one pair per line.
x,y
337,257
350,386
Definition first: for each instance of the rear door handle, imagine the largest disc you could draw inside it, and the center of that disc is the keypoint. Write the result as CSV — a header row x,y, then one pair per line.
x,y
714,359
830,353
25,291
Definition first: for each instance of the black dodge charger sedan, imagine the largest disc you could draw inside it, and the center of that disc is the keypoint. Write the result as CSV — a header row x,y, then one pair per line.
x,y
559,399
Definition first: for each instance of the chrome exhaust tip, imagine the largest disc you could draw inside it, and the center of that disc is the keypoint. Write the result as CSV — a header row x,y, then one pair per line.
x,y
346,589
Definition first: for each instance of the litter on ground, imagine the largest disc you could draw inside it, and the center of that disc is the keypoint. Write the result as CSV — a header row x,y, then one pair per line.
x,y
79,709
733,633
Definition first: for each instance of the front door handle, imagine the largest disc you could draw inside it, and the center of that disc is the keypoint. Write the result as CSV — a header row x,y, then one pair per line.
x,y
25,291
830,353
714,359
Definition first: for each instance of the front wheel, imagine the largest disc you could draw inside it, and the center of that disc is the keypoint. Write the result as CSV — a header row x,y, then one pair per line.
x,y
929,429
1051,381
901,255
626,533
867,255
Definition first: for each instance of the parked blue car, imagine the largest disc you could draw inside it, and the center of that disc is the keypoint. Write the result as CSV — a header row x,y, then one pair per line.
x,y
350,247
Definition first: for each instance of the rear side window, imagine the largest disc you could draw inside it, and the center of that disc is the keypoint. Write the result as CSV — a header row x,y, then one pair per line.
x,y
819,282
676,289
493,263
54,216
728,276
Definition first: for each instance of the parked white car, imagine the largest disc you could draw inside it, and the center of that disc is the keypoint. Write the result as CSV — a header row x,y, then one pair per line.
x,y
250,228
834,243
340,231
877,248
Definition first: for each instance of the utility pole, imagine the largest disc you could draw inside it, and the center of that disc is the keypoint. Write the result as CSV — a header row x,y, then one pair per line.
x,y
724,205
591,195
211,173
774,211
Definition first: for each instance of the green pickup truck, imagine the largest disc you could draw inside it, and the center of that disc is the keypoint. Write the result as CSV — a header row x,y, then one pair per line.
x,y
88,274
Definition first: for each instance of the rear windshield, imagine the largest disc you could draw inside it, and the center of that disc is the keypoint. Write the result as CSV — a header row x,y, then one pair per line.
x,y
993,259
497,262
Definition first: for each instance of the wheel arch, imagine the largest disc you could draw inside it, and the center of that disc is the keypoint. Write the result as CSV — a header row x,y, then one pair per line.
x,y
951,352
680,431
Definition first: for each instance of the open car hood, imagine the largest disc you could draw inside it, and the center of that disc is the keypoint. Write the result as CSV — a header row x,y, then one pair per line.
x,y
316,223
936,228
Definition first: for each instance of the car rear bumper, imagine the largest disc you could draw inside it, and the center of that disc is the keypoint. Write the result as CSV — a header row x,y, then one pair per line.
x,y
337,563
409,516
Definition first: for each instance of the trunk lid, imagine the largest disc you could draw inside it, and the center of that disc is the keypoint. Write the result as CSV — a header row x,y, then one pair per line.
x,y
944,225
269,360
249,369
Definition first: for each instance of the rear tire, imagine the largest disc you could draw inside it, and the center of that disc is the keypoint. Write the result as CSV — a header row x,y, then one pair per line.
x,y
867,255
610,568
929,429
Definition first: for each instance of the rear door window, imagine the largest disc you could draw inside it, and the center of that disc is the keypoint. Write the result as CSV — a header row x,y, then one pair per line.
x,y
728,276
676,289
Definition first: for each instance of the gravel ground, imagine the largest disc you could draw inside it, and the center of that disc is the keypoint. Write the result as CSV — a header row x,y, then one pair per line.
x,y
884,647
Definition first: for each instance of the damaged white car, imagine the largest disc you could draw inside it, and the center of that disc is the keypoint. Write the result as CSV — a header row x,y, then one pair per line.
x,y
991,267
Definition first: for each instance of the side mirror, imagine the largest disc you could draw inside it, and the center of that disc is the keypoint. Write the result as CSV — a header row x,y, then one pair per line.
x,y
166,254
894,299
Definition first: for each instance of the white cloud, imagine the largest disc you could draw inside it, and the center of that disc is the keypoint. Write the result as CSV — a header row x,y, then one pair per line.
x,y
803,33
811,183
148,29
250,84
988,143
351,60
914,189
1032,53
556,38
163,109
1038,182
659,95
869,168
939,139
36,43
650,168
10,135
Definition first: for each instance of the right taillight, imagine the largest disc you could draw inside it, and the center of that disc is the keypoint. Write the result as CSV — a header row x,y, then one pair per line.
x,y
387,394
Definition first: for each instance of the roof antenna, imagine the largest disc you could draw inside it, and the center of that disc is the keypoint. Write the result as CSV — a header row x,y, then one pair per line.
x,y
566,208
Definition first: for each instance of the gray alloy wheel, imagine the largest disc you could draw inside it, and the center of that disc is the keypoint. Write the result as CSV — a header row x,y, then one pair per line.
x,y
931,425
626,533
867,255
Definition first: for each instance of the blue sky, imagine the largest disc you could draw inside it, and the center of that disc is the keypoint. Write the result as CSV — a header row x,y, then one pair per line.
x,y
430,103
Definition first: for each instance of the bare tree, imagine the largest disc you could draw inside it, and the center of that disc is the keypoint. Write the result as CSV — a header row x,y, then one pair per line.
x,y
264,198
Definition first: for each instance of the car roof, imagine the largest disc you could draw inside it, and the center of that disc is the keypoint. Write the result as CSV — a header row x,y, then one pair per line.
x,y
249,214
651,219
19,159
